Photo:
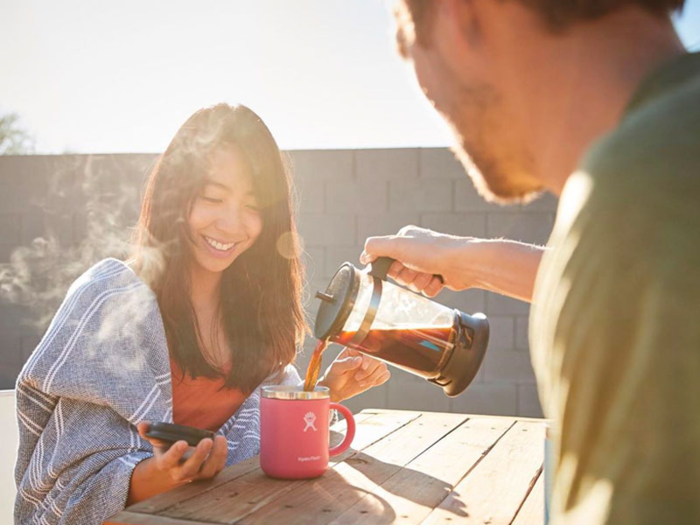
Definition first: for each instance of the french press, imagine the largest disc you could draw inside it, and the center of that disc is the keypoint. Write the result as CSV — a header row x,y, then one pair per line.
x,y
360,309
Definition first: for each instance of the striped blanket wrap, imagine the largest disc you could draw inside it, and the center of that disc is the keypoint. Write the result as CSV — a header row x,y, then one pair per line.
x,y
100,369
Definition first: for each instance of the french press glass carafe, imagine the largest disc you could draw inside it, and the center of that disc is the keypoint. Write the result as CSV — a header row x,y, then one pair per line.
x,y
362,310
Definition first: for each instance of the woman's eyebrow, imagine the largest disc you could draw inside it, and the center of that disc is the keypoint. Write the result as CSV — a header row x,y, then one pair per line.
x,y
217,184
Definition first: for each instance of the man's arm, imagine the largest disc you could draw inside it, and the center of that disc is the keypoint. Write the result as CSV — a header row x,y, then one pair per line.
x,y
497,265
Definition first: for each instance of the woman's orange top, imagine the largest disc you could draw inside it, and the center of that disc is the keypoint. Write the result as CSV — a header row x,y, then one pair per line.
x,y
202,402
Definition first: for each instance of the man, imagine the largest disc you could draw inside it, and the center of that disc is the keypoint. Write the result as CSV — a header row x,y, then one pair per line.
x,y
597,102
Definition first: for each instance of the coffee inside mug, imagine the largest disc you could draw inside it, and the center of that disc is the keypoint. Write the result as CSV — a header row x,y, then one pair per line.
x,y
294,431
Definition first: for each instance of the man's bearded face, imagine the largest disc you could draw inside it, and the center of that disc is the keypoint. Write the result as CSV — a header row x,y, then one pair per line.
x,y
488,144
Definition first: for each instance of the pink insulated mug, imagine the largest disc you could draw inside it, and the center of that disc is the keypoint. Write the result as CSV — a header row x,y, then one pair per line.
x,y
294,432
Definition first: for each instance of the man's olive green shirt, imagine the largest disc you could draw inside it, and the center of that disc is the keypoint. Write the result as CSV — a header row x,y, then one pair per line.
x,y
615,330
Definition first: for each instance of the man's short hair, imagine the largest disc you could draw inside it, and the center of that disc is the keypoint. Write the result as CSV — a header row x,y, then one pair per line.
x,y
413,16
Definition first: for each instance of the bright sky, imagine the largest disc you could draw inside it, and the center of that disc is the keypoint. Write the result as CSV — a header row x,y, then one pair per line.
x,y
98,76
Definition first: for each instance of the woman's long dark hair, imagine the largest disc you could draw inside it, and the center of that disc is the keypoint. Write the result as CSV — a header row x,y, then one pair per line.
x,y
260,300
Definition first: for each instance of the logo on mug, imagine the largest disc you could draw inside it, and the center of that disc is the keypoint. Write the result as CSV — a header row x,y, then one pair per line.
x,y
310,419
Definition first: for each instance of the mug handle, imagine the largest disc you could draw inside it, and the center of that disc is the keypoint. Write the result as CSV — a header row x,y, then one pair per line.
x,y
349,435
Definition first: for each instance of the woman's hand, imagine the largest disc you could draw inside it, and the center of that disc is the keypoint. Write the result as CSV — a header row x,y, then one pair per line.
x,y
206,461
352,373
172,465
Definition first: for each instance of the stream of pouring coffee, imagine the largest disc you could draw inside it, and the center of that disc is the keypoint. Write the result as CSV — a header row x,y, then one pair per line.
x,y
314,366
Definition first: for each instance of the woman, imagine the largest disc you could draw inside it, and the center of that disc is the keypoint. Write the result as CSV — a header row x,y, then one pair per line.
x,y
207,311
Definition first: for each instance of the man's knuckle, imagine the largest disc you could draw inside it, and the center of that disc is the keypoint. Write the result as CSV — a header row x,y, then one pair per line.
x,y
409,228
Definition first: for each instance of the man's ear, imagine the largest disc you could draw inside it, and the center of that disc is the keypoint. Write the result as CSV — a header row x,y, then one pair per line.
x,y
459,23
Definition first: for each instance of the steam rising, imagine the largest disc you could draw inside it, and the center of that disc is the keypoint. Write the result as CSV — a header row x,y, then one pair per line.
x,y
107,189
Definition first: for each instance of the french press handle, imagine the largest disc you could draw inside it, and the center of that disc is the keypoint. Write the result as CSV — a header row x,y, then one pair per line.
x,y
380,268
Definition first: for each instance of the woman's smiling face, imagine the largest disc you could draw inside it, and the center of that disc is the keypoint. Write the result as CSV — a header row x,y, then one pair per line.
x,y
224,220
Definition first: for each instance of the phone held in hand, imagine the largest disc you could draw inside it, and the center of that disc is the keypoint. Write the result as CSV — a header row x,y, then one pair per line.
x,y
172,433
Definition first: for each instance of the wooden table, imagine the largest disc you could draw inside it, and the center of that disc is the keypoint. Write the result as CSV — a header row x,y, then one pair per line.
x,y
407,467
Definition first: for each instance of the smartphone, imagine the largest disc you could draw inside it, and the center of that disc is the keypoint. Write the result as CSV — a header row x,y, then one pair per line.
x,y
171,433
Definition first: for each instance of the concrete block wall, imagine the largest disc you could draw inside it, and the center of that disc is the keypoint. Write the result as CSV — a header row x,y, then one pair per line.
x,y
349,195
343,196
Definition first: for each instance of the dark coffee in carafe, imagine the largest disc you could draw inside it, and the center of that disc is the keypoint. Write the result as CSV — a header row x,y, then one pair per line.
x,y
417,350
363,311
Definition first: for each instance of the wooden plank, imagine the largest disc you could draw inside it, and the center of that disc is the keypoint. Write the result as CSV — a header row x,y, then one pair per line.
x,y
532,511
495,489
172,497
126,517
245,495
341,425
374,429
470,416
411,494
162,501
322,500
